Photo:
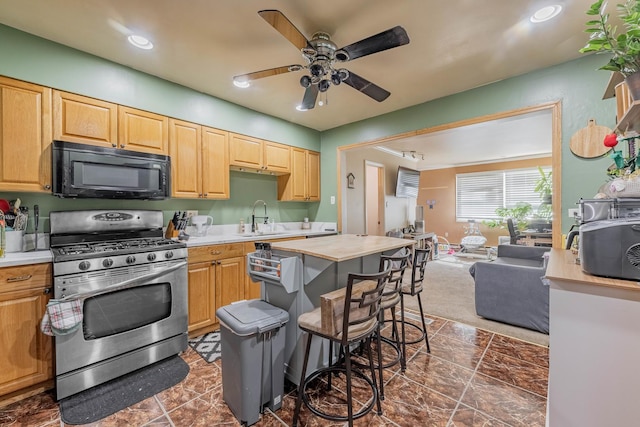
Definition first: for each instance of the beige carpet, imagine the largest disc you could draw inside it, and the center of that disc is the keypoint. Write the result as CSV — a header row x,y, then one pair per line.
x,y
449,293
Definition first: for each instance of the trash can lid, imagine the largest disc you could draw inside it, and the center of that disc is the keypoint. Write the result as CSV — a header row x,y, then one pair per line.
x,y
251,317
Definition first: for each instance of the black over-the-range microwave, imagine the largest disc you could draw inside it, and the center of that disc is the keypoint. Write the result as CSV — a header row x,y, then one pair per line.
x,y
87,171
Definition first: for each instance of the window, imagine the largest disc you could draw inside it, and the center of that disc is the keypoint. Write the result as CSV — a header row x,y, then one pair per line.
x,y
479,194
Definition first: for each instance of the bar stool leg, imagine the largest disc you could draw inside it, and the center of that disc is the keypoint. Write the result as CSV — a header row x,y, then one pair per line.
x,y
424,326
296,412
380,368
403,356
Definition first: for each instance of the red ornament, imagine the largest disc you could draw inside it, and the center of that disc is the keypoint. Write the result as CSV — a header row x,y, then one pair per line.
x,y
611,140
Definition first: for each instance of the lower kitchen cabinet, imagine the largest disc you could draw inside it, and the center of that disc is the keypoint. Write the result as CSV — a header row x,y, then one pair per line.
x,y
216,278
26,357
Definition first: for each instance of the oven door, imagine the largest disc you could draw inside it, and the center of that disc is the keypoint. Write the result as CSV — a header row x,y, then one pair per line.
x,y
124,310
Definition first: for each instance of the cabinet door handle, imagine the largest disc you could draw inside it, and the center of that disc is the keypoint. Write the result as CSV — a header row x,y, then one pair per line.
x,y
121,145
47,291
47,187
19,278
206,194
114,145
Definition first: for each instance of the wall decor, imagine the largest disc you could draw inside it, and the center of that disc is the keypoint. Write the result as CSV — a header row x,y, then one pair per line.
x,y
351,181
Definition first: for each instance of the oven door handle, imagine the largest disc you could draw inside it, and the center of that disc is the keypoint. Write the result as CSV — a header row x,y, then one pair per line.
x,y
126,284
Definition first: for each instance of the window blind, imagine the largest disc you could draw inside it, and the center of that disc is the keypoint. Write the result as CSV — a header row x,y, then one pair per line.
x,y
479,194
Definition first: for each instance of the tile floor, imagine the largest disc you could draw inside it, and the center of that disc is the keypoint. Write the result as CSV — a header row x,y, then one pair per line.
x,y
471,378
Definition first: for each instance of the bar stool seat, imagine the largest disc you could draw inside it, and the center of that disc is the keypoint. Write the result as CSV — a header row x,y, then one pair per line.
x,y
345,317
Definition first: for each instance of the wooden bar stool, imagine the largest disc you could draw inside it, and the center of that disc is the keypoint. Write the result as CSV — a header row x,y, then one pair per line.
x,y
344,323
414,288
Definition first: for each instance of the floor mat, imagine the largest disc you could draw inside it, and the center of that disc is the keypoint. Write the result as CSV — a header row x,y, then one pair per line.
x,y
105,399
208,346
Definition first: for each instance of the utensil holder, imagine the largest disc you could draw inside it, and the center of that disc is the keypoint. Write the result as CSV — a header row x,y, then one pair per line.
x,y
171,231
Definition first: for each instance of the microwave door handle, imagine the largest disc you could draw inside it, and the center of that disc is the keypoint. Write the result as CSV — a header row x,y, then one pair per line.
x,y
126,284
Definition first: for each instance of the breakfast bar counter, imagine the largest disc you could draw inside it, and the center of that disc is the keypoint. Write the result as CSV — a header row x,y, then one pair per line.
x,y
300,271
594,346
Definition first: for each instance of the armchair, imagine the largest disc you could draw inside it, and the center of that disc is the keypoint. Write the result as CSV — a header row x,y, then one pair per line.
x,y
510,290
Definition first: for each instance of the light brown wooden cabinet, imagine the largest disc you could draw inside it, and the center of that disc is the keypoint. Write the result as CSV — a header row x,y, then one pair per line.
x,y
26,358
25,136
84,120
303,184
216,278
247,153
199,161
142,131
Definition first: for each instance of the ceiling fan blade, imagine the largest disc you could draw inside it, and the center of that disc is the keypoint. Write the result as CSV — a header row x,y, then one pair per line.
x,y
266,73
309,98
277,20
389,39
366,87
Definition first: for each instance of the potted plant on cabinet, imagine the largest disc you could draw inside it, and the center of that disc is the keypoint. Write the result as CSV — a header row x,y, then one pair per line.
x,y
624,47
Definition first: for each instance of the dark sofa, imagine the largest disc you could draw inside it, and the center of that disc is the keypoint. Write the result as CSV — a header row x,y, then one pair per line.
x,y
510,290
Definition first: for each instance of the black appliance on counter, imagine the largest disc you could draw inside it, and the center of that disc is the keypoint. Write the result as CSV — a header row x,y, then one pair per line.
x,y
87,171
611,248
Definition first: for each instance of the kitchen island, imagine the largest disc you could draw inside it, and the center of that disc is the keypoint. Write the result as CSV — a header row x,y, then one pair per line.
x,y
300,271
594,346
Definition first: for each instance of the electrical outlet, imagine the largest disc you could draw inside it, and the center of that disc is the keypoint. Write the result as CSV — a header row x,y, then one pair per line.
x,y
191,213
446,234
333,200
572,213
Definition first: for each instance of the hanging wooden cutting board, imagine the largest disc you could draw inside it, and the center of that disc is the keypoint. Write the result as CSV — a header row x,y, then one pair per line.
x,y
588,141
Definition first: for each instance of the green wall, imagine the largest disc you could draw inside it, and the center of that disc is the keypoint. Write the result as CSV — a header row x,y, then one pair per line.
x,y
577,84
33,59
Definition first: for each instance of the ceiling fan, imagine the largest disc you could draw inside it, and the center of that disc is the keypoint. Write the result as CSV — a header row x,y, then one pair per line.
x,y
323,59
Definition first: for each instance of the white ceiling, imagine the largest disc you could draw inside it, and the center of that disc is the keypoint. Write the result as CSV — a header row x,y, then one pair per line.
x,y
454,46
513,138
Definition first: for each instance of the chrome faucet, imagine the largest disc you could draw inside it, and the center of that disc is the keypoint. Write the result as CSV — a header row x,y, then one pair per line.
x,y
253,215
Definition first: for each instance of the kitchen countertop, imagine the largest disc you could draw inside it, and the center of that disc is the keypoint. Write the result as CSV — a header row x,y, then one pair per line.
x,y
343,247
25,258
562,266
214,239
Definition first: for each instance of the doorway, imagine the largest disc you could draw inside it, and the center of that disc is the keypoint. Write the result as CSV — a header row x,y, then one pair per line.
x,y
374,198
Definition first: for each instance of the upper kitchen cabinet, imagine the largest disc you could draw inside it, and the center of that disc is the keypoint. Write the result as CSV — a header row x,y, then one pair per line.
x,y
25,136
303,184
84,120
142,131
247,153
199,161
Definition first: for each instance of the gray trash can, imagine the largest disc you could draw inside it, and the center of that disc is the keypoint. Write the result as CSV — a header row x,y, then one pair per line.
x,y
252,335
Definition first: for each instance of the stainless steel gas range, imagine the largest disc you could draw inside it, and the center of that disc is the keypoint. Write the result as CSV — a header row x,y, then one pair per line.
x,y
132,285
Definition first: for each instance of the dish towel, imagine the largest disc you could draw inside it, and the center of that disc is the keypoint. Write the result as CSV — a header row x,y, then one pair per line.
x,y
61,317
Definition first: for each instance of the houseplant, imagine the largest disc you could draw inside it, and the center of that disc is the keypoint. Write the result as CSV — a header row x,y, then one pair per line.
x,y
623,47
544,186
520,214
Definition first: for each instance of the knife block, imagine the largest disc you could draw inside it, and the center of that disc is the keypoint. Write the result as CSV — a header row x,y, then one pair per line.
x,y
171,231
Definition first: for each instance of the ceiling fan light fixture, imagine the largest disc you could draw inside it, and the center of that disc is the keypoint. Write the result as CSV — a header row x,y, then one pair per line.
x,y
301,108
335,78
546,13
323,86
305,81
316,70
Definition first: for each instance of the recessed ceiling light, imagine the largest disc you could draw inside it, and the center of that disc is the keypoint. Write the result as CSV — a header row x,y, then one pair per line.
x,y
546,13
139,41
242,83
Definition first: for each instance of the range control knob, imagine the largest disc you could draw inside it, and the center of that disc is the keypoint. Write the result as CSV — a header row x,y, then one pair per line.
x,y
84,265
168,254
151,257
107,262
131,259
